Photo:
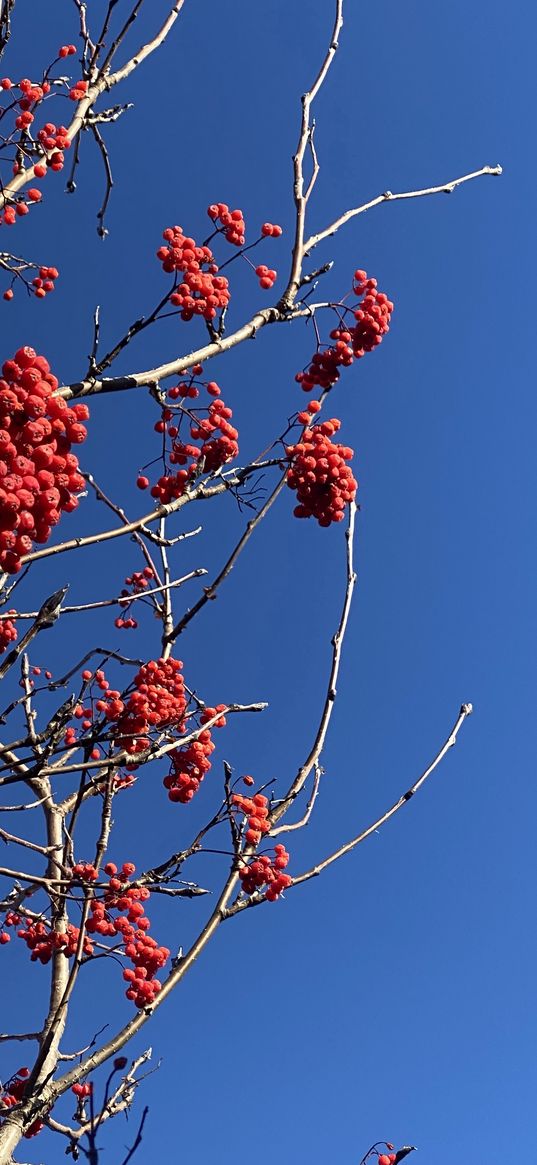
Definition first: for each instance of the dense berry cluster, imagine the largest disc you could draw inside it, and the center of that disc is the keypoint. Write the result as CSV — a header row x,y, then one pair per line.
x,y
372,317
231,222
44,942
217,439
190,763
256,809
324,483
266,871
138,582
13,1093
387,1158
158,701
372,321
129,921
8,633
202,290
39,475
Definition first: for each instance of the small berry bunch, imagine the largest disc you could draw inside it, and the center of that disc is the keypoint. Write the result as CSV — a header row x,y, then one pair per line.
x,y
267,276
82,1091
324,483
271,230
39,475
145,954
138,581
266,871
217,437
202,291
43,283
44,942
256,809
372,321
157,702
78,91
387,1158
190,763
231,222
8,633
12,1095
54,140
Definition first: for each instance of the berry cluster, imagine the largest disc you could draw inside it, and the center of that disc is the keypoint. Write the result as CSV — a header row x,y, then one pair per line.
x,y
8,633
202,291
271,230
217,437
387,1158
256,810
13,1093
372,318
39,475
157,702
138,581
324,484
82,1091
231,222
146,956
190,763
79,90
267,871
43,942
55,140
267,277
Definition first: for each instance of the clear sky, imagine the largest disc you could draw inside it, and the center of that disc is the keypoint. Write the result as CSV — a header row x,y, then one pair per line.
x,y
395,996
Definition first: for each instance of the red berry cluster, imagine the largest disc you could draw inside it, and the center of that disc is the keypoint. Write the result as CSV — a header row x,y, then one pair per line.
x,y
43,942
271,230
44,282
267,871
267,277
387,1158
231,222
55,140
82,1090
157,702
202,291
372,322
39,475
217,437
256,810
372,317
13,1093
8,633
79,90
132,924
190,763
323,482
138,581
66,50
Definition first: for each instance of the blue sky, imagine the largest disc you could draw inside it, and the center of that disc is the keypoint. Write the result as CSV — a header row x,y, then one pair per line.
x,y
394,997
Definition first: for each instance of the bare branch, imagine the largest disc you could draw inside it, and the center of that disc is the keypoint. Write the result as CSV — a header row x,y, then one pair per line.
x,y
326,715
466,710
445,188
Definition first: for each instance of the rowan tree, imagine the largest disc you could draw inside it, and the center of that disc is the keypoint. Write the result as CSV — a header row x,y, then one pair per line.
x,y
104,704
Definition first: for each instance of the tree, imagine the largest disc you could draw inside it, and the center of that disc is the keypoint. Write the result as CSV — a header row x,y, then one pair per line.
x,y
88,736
